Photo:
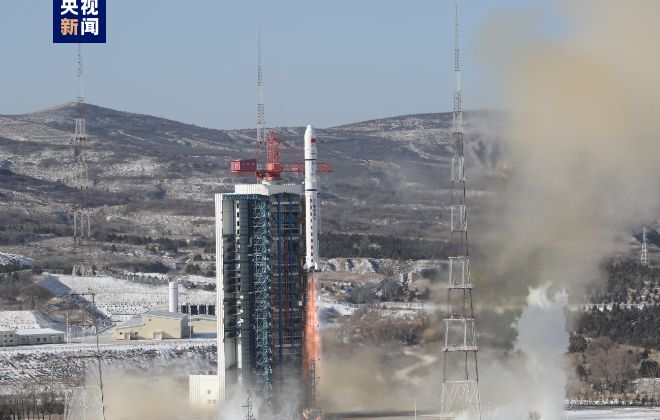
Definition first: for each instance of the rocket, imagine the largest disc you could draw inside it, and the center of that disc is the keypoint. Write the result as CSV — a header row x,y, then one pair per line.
x,y
311,201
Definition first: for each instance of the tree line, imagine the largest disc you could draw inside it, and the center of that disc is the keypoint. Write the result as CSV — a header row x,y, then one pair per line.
x,y
636,327
15,285
338,245
31,401
629,281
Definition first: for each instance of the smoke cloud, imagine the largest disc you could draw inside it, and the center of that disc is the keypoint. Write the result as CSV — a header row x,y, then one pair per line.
x,y
578,177
533,378
582,144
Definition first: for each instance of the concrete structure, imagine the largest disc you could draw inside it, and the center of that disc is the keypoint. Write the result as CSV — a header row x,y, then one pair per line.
x,y
174,296
31,336
154,325
203,390
261,287
40,336
203,324
265,300
8,336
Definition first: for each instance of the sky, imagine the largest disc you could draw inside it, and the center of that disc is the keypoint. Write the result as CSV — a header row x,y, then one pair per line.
x,y
324,63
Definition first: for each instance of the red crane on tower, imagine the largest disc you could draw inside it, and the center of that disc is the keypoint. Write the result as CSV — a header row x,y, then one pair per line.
x,y
273,149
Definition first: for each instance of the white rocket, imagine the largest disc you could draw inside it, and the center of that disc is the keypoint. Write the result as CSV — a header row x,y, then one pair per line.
x,y
311,201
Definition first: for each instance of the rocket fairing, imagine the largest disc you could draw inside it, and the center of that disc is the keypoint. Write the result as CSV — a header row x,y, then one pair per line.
x,y
311,202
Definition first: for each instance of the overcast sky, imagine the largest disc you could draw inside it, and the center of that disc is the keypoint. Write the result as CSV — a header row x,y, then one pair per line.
x,y
324,63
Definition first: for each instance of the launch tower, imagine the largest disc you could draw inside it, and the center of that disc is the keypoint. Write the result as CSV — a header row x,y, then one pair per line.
x,y
460,382
266,256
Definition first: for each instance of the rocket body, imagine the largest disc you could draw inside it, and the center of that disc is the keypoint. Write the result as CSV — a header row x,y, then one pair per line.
x,y
311,201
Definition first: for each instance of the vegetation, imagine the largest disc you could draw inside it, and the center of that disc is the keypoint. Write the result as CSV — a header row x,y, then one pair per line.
x,y
158,244
630,282
337,245
10,268
11,285
649,369
40,401
375,328
195,269
36,293
637,327
606,363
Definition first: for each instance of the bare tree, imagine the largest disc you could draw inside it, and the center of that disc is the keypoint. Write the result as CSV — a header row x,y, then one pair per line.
x,y
36,293
366,293
615,365
533,415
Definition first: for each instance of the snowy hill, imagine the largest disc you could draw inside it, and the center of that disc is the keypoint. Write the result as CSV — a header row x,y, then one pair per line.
x,y
23,320
11,259
120,299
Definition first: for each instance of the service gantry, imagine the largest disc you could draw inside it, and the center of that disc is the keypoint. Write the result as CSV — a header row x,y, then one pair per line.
x,y
265,287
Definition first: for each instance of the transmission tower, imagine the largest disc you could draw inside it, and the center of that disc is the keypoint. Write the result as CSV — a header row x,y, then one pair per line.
x,y
261,119
460,382
247,408
82,253
85,399
645,251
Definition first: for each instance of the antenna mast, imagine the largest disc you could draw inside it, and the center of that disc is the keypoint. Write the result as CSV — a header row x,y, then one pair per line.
x,y
460,381
261,120
645,251
82,253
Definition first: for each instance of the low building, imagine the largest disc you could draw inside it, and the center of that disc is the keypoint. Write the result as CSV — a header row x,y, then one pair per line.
x,y
154,325
203,324
203,390
39,336
8,336
27,337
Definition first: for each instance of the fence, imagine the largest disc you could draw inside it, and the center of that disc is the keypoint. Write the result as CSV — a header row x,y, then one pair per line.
x,y
140,279
608,306
400,305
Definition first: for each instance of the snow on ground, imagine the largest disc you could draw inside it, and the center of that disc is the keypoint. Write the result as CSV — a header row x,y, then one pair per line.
x,y
583,413
404,271
7,259
115,297
400,314
601,413
338,308
23,320
49,362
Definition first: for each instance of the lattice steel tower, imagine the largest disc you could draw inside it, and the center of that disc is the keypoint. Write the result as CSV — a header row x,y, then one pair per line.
x,y
645,251
82,252
261,119
460,382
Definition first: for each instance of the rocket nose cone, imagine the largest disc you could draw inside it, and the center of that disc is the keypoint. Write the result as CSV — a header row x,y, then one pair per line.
x,y
309,133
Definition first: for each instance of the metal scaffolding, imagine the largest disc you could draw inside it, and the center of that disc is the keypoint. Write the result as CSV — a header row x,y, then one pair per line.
x,y
263,323
645,250
460,382
82,243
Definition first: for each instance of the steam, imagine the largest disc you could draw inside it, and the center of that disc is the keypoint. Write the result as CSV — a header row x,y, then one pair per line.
x,y
534,380
580,174
582,145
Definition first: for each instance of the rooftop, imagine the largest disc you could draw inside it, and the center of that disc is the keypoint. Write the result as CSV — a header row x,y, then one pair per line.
x,y
202,316
35,331
132,323
165,314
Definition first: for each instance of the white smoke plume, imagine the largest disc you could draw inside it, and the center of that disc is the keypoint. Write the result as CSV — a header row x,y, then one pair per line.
x,y
535,380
